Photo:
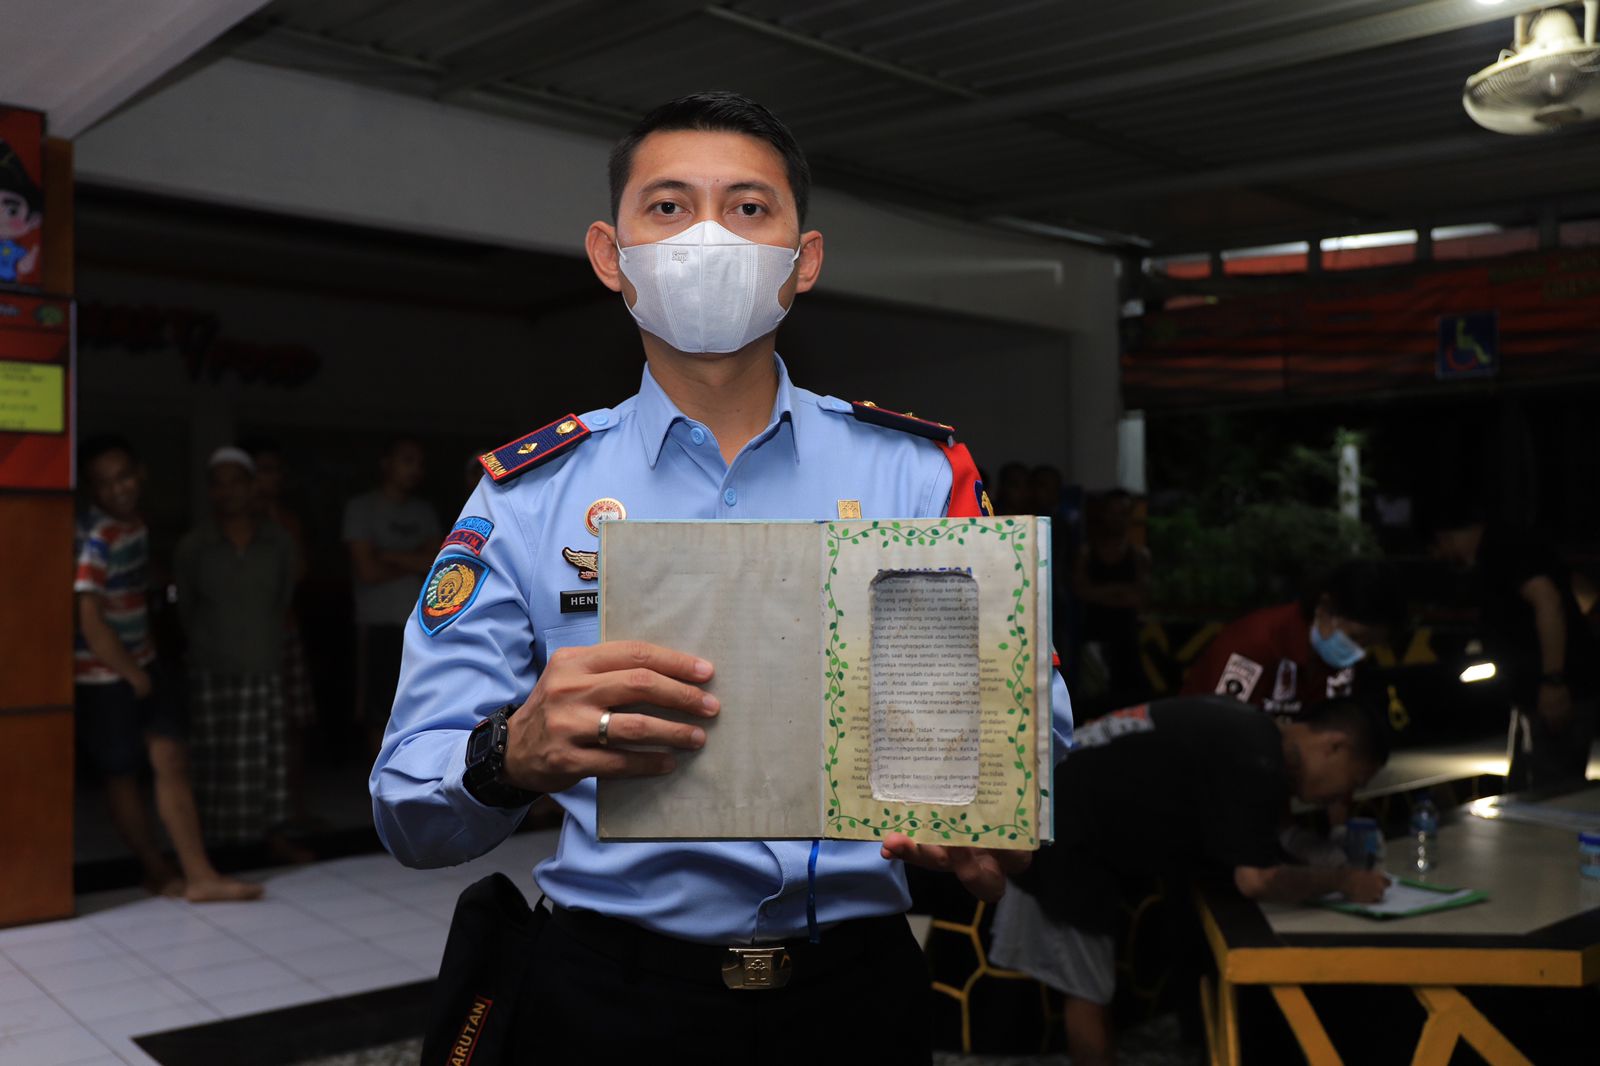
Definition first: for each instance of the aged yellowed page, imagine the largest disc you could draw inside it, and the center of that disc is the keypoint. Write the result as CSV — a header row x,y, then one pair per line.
x,y
923,686
1001,556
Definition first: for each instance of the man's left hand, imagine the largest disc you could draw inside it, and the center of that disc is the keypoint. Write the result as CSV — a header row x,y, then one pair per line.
x,y
982,870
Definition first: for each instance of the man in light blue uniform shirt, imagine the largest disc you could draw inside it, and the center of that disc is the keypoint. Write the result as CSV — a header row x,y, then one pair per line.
x,y
707,250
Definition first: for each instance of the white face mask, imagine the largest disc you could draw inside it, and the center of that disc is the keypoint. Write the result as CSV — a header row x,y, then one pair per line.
x,y
707,289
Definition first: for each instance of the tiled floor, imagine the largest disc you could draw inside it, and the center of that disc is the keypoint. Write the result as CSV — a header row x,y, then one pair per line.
x,y
77,991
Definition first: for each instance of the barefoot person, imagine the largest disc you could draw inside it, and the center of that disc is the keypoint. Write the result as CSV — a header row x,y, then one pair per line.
x,y
127,709
708,249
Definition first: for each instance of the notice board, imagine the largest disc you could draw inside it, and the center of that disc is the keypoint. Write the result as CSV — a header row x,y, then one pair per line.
x,y
36,390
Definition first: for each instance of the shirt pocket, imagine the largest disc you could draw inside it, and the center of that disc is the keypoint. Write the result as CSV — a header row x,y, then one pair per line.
x,y
573,635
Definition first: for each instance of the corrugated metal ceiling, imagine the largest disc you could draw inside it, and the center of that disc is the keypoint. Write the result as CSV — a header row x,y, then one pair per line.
x,y
1162,124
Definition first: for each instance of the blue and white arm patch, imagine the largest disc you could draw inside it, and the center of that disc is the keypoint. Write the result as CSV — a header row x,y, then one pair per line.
x,y
453,584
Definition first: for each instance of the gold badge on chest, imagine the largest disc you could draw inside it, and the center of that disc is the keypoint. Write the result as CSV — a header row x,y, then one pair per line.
x,y
605,509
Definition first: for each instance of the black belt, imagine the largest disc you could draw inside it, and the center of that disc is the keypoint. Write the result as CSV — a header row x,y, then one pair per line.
x,y
745,968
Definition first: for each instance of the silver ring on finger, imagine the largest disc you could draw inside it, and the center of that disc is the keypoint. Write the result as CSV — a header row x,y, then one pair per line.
x,y
605,728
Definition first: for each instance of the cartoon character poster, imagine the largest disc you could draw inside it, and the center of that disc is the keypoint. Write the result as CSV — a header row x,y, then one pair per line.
x,y
21,196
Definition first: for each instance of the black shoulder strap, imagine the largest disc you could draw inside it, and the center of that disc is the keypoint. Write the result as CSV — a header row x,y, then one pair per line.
x,y
867,411
542,445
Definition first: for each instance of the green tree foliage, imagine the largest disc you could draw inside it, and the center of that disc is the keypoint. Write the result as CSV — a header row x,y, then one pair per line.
x,y
1254,524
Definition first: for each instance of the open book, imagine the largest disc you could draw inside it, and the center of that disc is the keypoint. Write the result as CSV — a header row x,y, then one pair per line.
x,y
875,676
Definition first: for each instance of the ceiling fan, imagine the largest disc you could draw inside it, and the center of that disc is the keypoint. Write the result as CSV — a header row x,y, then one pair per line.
x,y
1547,79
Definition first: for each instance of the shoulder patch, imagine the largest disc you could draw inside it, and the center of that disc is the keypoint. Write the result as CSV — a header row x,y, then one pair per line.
x,y
471,533
525,453
967,498
452,586
867,411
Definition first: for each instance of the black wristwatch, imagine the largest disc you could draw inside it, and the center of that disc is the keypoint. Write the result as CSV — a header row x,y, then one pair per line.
x,y
486,761
1555,679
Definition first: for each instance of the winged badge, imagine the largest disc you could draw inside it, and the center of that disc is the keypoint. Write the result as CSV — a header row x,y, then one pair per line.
x,y
588,563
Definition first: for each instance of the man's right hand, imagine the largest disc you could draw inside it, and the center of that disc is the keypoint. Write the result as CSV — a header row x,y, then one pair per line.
x,y
1364,886
141,683
554,737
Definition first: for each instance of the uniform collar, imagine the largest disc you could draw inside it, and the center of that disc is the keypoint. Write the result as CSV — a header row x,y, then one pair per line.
x,y
656,414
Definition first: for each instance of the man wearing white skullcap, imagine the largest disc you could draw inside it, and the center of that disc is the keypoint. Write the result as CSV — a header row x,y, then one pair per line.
x,y
235,574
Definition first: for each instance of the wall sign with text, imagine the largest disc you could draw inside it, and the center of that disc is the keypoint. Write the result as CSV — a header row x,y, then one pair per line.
x,y
36,381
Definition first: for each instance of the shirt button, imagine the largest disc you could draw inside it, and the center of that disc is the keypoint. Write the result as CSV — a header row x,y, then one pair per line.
x,y
600,419
769,909
697,435
730,497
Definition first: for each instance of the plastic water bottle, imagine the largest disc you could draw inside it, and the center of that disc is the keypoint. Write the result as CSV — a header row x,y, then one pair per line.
x,y
1425,834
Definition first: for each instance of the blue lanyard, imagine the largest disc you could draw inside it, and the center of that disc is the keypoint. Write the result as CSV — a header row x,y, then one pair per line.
x,y
811,893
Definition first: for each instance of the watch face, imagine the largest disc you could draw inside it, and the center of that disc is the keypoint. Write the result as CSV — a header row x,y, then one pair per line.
x,y
480,743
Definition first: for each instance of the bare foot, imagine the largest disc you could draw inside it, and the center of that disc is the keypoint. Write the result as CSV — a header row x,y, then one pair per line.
x,y
221,890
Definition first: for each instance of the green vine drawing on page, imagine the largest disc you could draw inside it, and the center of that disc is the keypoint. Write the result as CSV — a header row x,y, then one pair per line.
x,y
929,534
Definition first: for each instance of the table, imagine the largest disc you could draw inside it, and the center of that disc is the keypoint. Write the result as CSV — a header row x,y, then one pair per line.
x,y
1419,768
1540,928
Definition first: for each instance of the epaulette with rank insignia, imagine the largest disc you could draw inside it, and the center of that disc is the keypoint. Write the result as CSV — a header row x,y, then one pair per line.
x,y
525,453
867,411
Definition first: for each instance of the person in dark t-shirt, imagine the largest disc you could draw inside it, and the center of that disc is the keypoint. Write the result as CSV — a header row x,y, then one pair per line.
x,y
1539,641
1111,581
1175,788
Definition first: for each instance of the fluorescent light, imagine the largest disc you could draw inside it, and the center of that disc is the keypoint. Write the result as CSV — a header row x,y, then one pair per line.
x,y
1475,229
1369,240
1478,672
1491,3
1291,248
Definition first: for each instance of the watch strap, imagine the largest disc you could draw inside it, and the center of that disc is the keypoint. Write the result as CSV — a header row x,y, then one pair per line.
x,y
482,778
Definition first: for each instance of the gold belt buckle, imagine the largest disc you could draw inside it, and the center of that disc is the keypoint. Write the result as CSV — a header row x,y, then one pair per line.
x,y
755,969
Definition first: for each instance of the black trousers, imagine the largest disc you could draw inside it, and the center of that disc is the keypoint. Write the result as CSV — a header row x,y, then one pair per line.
x,y
1542,757
581,1006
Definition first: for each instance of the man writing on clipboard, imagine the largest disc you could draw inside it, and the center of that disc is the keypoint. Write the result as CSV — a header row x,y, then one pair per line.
x,y
708,250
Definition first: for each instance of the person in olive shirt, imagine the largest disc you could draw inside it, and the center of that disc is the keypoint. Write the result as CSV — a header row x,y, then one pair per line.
x,y
1175,788
235,576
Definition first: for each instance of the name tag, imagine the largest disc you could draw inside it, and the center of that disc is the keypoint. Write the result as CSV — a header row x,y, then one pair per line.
x,y
583,601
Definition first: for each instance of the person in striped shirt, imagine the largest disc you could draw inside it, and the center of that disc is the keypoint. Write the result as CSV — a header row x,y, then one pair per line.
x,y
126,712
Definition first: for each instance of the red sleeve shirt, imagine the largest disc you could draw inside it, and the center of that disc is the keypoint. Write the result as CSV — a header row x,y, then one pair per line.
x,y
1265,658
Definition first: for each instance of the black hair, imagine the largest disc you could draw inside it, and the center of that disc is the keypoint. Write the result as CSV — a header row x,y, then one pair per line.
x,y
1013,470
14,178
1449,513
718,111
394,442
1368,733
94,447
258,445
1363,590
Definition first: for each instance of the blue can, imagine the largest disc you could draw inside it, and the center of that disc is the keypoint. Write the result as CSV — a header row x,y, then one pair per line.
x,y
1589,855
1363,843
